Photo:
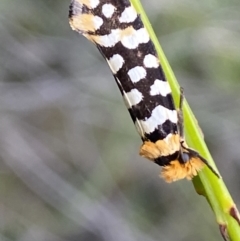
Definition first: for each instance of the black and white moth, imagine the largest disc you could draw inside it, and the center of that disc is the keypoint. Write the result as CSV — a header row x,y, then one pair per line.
x,y
119,34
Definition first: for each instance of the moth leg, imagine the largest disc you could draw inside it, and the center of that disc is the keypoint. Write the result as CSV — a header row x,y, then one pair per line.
x,y
195,154
184,156
180,115
191,153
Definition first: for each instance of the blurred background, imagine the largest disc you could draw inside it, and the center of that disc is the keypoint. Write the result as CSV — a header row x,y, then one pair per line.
x,y
69,164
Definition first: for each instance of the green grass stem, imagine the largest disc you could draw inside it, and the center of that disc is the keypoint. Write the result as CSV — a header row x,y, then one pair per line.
x,y
205,183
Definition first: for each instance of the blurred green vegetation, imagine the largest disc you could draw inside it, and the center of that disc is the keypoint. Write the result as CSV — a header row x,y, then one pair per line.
x,y
70,168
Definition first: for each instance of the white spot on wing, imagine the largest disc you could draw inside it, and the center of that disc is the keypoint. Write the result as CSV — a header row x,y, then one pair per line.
x,y
129,37
160,88
115,62
89,3
142,35
132,98
97,21
93,3
131,41
128,15
137,73
159,115
108,40
150,61
108,10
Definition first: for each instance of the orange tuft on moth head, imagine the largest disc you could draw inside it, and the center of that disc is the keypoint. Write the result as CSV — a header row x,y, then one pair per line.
x,y
176,170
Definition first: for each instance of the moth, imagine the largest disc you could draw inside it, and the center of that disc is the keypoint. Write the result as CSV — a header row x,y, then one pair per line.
x,y
119,34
